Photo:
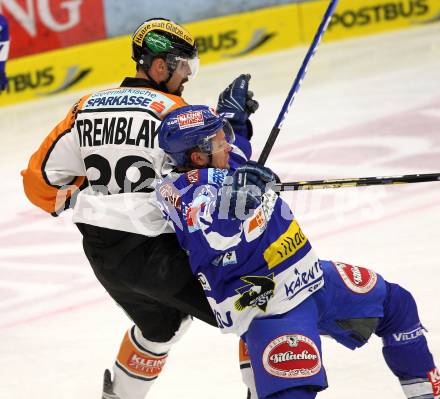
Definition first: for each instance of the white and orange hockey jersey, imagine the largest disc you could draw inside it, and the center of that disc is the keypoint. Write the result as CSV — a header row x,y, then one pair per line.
x,y
109,138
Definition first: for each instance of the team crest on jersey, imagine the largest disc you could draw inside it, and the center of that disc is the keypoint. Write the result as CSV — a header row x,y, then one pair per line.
x,y
256,293
256,225
358,279
292,356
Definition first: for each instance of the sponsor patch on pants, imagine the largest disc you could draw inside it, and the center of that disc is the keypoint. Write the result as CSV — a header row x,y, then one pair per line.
x,y
292,356
358,279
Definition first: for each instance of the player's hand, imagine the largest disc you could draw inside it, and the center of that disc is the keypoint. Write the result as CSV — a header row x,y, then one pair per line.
x,y
249,183
236,102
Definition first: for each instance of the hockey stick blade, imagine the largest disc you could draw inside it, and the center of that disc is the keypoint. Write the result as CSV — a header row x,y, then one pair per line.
x,y
357,182
297,83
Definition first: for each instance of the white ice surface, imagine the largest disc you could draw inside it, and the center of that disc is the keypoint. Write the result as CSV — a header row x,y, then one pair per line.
x,y
367,107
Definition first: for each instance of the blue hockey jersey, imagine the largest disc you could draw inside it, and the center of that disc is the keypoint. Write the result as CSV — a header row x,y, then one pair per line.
x,y
4,50
261,266
4,40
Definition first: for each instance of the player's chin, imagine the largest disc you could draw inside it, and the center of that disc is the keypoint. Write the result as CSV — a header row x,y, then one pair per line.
x,y
180,89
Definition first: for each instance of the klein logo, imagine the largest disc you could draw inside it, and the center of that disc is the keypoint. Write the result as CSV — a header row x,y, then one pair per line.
x,y
190,119
147,366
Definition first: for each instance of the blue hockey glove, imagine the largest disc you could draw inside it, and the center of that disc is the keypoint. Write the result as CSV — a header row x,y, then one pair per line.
x,y
236,103
249,183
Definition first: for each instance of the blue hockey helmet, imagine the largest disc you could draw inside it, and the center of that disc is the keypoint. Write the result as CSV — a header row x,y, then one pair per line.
x,y
192,126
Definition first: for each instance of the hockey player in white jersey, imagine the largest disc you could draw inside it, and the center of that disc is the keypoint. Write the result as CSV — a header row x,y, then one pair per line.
x,y
104,156
263,279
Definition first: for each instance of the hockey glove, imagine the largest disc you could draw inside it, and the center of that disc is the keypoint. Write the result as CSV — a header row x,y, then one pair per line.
x,y
249,183
236,103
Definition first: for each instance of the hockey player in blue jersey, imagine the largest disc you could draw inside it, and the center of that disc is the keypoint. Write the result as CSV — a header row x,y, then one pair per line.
x,y
4,51
262,277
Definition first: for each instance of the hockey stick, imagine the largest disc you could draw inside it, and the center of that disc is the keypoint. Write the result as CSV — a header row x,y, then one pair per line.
x,y
356,182
297,83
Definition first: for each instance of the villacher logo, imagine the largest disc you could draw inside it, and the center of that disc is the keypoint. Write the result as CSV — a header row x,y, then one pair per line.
x,y
358,279
292,356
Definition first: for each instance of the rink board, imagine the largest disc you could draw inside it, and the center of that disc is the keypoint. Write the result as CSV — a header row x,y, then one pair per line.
x,y
218,39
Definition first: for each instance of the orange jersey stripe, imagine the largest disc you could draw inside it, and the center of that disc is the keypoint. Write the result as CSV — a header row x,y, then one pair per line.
x,y
36,186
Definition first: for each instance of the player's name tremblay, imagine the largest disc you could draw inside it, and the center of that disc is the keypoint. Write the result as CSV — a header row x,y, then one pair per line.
x,y
115,130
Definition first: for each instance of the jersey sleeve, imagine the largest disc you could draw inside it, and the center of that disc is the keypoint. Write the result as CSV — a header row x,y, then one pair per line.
x,y
56,170
4,41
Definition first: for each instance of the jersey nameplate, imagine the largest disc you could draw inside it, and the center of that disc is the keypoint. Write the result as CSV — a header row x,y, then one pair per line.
x,y
117,130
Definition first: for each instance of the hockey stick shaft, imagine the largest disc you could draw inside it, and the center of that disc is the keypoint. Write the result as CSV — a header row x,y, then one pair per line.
x,y
297,83
357,182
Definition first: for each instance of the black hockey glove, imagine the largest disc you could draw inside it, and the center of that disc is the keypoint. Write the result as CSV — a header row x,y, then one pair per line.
x,y
249,183
236,103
